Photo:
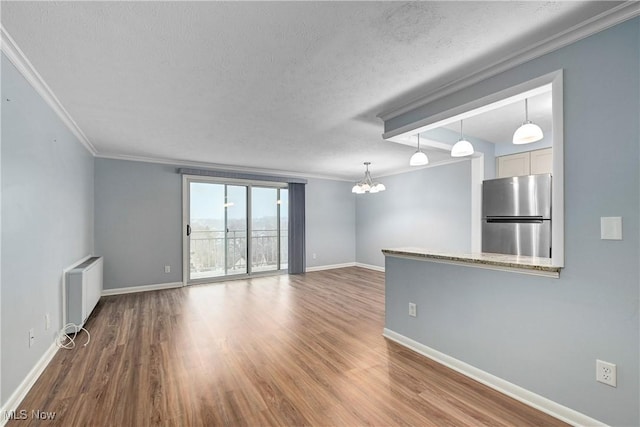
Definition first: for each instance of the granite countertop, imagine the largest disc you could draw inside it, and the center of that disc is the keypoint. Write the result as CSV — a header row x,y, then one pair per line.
x,y
499,261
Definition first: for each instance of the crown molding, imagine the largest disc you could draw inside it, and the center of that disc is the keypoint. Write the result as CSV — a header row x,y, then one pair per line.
x,y
608,19
217,166
28,71
273,172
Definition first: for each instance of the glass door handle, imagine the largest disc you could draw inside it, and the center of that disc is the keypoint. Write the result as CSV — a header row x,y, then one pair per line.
x,y
188,230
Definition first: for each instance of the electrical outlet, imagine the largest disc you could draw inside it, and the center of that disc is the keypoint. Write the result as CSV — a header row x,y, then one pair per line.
x,y
606,373
314,256
47,322
32,337
167,269
412,309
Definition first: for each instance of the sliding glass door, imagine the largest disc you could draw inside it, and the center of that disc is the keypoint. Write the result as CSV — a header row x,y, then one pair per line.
x,y
283,227
233,229
217,230
269,213
236,230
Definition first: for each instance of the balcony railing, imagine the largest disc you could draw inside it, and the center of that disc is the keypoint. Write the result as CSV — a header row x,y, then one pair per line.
x,y
208,252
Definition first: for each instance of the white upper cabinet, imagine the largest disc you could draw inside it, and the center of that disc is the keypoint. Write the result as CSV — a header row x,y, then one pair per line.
x,y
513,165
541,161
527,163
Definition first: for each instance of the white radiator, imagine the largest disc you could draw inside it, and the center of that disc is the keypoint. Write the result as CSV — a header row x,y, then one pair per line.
x,y
84,287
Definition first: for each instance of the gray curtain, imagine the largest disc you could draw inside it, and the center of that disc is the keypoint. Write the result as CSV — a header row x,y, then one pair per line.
x,y
296,229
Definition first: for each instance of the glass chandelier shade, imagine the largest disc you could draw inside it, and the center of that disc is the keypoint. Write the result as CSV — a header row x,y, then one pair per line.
x,y
462,148
529,132
367,185
419,158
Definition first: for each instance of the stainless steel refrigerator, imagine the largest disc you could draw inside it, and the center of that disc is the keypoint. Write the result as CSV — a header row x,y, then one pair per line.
x,y
516,215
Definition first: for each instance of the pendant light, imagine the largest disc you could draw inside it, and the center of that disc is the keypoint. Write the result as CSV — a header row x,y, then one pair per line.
x,y
367,185
463,147
419,158
528,132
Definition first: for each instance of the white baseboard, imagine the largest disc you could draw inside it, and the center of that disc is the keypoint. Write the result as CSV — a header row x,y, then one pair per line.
x,y
527,397
143,288
370,267
19,394
330,267
346,264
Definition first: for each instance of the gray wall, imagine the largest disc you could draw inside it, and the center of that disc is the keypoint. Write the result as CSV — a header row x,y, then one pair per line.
x,y
430,207
139,221
546,334
47,221
330,220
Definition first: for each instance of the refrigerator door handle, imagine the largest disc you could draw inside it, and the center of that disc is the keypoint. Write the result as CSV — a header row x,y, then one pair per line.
x,y
527,220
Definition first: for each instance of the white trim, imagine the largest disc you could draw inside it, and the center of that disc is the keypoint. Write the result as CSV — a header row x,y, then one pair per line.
x,y
521,394
329,267
143,288
24,66
370,267
607,19
26,384
477,176
557,169
557,183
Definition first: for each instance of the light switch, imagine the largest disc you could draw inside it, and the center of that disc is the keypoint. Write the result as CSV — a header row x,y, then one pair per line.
x,y
611,228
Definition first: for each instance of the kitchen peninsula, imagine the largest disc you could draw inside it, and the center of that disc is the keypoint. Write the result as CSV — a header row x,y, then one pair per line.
x,y
517,263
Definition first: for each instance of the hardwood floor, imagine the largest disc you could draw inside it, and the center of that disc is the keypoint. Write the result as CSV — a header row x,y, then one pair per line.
x,y
281,350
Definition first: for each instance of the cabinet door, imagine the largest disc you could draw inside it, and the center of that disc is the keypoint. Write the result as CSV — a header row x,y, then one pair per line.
x,y
542,161
513,165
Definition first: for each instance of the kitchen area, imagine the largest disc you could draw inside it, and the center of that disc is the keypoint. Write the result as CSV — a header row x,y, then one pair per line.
x,y
515,192
482,288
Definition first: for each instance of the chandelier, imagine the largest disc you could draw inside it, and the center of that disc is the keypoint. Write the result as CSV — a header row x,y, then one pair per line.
x,y
367,185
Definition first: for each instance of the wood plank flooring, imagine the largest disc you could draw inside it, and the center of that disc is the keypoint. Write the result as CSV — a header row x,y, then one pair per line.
x,y
282,350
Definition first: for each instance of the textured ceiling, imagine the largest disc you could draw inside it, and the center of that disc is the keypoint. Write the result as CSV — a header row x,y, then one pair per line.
x,y
290,86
